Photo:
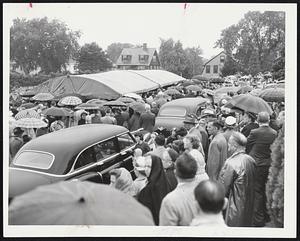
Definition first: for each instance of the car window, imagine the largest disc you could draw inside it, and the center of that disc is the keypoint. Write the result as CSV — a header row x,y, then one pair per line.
x,y
85,158
105,149
173,111
125,141
34,159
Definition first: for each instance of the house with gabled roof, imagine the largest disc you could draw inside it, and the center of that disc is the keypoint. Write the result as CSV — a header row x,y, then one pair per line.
x,y
138,58
212,68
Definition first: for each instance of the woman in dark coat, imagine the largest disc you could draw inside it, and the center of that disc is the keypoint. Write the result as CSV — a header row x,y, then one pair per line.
x,y
157,187
249,120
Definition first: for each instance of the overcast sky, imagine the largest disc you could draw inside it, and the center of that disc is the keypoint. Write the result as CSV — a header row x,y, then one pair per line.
x,y
199,24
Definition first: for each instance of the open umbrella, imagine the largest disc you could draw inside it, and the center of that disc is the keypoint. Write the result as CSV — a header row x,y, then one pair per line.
x,y
70,100
172,92
187,83
114,103
244,89
43,97
27,105
28,93
126,100
248,102
194,88
208,92
55,111
137,106
133,95
29,113
256,92
96,101
224,90
30,123
273,95
77,203
87,106
226,98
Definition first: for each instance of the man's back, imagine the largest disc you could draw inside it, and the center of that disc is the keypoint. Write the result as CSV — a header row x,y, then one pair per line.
x,y
258,144
179,207
15,143
147,121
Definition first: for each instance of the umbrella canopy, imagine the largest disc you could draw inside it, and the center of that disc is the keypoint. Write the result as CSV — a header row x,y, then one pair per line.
x,y
114,103
194,88
27,105
172,92
30,123
87,106
43,97
28,93
273,95
137,106
244,89
226,98
187,83
224,90
55,111
126,100
77,203
249,103
29,113
133,95
96,101
256,92
70,100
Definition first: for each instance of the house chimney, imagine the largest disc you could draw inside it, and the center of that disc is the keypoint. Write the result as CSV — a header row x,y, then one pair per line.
x,y
145,46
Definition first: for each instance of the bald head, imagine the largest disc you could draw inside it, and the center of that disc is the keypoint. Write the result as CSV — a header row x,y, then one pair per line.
x,y
147,107
263,117
210,196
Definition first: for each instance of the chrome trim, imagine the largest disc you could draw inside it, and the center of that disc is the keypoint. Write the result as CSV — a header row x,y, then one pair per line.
x,y
44,152
34,171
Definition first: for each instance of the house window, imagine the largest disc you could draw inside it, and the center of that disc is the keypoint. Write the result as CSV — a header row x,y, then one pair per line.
x,y
216,69
143,58
126,57
222,59
208,69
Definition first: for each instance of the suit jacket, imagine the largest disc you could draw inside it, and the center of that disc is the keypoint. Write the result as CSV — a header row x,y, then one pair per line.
x,y
179,207
248,128
258,145
147,121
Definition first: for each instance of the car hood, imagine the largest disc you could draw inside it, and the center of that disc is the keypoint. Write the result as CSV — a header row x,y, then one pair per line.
x,y
168,122
21,181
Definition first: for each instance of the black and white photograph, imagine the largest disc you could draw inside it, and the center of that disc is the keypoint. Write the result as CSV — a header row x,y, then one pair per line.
x,y
149,119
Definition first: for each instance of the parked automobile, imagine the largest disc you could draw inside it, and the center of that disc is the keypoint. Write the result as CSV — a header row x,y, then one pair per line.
x,y
86,152
173,113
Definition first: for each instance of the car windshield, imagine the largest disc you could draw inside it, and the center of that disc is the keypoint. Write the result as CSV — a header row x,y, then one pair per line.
x,y
34,159
173,111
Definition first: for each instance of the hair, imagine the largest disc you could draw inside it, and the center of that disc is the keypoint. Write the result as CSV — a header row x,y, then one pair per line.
x,y
217,124
108,111
181,132
160,140
251,116
239,138
186,166
210,196
195,140
139,134
26,138
263,117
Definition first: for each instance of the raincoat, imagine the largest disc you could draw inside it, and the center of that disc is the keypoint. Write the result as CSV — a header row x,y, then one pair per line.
x,y
237,176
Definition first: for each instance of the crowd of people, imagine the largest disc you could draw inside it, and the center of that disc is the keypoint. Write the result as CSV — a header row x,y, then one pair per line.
x,y
210,172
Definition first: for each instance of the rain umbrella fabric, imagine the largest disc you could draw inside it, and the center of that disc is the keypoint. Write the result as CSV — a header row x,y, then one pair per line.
x,y
43,97
208,92
27,114
244,89
27,105
87,106
193,88
137,106
30,123
28,93
55,111
249,103
256,92
126,100
70,100
273,95
77,203
187,83
114,103
133,95
172,92
96,101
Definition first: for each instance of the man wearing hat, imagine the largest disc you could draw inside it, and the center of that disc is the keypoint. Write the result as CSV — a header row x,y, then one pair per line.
x,y
229,127
249,123
15,142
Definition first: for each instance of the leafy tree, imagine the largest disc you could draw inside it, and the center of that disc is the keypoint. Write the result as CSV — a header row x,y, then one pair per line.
x,y
253,41
230,67
40,43
114,50
92,59
195,61
278,70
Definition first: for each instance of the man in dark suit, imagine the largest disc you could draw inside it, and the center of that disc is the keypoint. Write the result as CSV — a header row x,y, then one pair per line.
x,y
258,147
147,119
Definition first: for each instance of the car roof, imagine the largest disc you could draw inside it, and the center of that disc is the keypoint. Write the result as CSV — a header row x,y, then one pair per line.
x,y
190,104
65,143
